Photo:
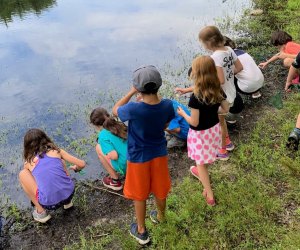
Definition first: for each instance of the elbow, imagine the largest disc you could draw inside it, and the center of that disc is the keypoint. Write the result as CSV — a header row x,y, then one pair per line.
x,y
194,123
115,110
82,164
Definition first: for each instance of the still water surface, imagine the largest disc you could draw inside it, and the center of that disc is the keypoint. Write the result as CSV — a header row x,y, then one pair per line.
x,y
59,59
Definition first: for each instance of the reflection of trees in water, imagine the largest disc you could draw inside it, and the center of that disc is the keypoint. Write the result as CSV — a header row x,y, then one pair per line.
x,y
10,8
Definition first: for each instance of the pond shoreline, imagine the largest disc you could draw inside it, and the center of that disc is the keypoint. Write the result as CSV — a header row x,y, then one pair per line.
x,y
92,221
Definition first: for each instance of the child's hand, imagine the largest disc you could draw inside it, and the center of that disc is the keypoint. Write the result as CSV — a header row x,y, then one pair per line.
x,y
263,65
133,90
180,111
75,168
139,97
180,91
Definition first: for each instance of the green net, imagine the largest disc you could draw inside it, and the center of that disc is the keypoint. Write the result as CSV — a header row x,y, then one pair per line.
x,y
276,101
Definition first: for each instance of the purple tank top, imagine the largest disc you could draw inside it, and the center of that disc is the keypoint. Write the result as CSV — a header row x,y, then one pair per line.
x,y
53,183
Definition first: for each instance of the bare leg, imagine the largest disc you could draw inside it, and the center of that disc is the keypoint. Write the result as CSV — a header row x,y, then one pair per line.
x,y
29,186
105,163
140,212
287,62
161,208
204,179
224,130
298,122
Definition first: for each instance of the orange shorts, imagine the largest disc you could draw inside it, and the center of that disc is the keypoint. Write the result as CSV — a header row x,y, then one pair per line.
x,y
143,178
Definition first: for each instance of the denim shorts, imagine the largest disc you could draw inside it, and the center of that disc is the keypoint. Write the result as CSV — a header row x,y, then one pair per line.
x,y
58,205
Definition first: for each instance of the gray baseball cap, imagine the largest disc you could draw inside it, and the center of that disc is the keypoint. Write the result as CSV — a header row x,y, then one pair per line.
x,y
144,75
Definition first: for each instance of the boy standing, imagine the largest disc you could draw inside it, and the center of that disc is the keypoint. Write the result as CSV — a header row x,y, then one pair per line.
x,y
147,168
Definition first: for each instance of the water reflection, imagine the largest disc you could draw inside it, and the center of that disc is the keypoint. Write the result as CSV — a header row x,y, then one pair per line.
x,y
59,62
11,8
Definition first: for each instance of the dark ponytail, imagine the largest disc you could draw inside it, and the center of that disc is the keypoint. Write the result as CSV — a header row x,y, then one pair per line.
x,y
100,117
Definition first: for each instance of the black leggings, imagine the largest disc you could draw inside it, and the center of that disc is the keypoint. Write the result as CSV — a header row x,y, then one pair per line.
x,y
238,105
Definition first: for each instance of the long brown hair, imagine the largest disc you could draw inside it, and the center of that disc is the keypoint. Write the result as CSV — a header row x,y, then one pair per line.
x,y
280,37
37,143
211,36
207,85
100,117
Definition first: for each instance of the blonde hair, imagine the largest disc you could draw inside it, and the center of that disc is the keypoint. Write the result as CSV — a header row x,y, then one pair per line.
x,y
207,85
211,36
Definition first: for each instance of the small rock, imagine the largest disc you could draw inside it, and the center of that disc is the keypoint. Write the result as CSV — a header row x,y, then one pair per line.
x,y
256,12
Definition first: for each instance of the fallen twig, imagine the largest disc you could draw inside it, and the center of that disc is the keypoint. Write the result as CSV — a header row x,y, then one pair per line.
x,y
100,235
103,189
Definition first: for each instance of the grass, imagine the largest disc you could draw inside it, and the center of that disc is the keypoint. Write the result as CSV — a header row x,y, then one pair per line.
x,y
257,194
257,191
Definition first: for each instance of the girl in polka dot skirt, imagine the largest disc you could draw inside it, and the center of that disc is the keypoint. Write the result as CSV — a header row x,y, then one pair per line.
x,y
204,136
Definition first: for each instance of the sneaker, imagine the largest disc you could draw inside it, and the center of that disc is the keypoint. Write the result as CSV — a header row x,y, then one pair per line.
x,y
41,217
230,118
153,216
141,238
293,141
176,142
112,184
69,205
229,146
194,171
256,95
223,156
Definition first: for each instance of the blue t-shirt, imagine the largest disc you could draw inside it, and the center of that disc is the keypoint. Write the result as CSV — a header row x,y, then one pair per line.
x,y
146,125
109,142
179,121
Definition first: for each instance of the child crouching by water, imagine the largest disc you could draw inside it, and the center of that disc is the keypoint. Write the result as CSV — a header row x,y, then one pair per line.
x,y
45,178
204,136
111,147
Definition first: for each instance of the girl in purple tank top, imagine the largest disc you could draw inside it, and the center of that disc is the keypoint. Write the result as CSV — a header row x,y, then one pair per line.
x,y
45,178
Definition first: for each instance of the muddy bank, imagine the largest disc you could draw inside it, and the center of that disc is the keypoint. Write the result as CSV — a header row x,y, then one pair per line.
x,y
99,210
95,207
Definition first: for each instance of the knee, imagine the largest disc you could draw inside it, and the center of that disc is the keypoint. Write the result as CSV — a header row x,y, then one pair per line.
x,y
287,62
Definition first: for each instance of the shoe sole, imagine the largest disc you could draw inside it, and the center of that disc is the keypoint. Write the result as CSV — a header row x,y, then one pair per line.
x,y
112,187
223,159
256,97
193,173
141,242
44,220
68,206
231,148
231,122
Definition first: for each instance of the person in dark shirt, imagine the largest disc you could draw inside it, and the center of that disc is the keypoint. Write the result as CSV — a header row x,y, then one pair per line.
x,y
147,161
204,137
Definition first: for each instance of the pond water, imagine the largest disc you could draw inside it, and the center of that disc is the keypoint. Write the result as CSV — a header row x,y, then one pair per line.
x,y
61,58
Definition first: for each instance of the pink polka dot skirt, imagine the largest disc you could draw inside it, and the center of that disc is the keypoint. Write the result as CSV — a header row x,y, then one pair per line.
x,y
203,145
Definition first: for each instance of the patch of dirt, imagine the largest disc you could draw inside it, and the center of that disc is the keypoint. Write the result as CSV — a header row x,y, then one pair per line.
x,y
100,207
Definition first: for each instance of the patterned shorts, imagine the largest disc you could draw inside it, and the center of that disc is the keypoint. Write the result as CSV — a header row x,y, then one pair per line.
x,y
203,145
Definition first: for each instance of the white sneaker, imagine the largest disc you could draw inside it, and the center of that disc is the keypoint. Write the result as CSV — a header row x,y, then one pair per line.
x,y
42,217
69,205
256,95
230,118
